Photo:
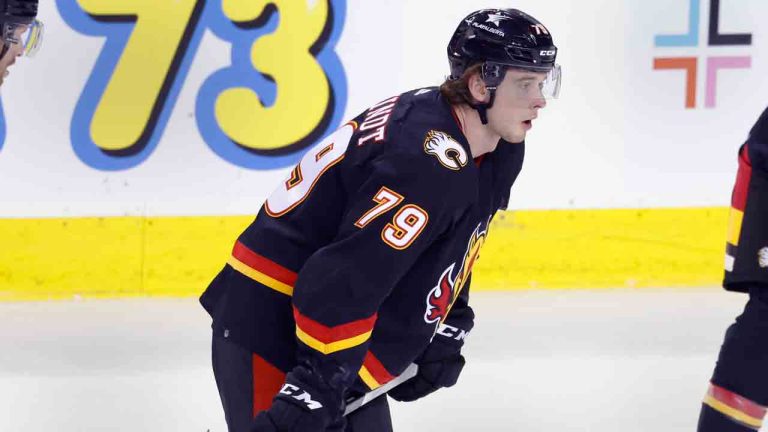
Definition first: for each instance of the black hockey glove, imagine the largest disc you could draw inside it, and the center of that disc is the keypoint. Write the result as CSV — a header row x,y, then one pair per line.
x,y
439,366
304,404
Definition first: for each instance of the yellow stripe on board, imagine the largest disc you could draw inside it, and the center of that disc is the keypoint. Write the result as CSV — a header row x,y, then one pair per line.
x,y
178,256
114,257
564,249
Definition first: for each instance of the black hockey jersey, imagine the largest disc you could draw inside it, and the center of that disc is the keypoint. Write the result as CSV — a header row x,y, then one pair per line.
x,y
365,251
746,260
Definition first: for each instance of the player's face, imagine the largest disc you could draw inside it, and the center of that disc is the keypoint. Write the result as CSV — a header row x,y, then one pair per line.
x,y
517,104
14,51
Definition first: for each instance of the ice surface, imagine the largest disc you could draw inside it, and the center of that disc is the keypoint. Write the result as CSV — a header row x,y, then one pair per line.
x,y
627,360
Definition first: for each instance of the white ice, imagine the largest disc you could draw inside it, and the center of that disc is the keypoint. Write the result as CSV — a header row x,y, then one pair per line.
x,y
620,360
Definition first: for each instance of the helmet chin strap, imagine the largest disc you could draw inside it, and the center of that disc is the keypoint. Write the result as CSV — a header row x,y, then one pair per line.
x,y
482,108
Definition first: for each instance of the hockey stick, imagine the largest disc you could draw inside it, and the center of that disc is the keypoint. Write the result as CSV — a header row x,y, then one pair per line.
x,y
407,374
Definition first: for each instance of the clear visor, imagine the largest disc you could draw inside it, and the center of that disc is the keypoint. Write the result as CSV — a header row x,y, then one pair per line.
x,y
550,88
532,88
29,36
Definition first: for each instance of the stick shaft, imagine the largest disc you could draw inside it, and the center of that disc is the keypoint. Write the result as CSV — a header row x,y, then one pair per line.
x,y
409,373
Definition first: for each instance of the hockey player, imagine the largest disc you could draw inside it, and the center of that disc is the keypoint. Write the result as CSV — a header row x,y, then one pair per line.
x,y
359,263
22,34
738,394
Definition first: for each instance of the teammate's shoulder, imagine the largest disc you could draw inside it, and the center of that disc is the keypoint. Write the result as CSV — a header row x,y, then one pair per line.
x,y
758,142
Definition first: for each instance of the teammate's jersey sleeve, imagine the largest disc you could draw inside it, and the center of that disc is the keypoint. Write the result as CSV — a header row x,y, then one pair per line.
x,y
746,260
398,211
758,143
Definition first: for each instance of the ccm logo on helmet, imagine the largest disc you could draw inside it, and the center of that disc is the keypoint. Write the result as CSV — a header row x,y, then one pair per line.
x,y
547,53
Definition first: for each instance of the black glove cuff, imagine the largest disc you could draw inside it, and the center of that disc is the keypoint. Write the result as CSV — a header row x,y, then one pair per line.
x,y
439,349
431,377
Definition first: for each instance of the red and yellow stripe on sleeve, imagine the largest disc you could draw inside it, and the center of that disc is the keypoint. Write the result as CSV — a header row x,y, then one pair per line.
x,y
737,408
373,373
328,340
738,204
262,270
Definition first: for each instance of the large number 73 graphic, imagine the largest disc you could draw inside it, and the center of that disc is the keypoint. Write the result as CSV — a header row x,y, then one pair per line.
x,y
284,89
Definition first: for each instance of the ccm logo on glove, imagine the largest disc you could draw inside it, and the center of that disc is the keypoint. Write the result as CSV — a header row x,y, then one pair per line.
x,y
300,395
452,332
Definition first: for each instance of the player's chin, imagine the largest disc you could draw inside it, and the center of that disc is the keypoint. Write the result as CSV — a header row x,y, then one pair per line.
x,y
515,136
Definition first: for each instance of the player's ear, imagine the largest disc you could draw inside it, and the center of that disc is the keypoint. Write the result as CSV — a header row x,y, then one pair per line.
x,y
477,88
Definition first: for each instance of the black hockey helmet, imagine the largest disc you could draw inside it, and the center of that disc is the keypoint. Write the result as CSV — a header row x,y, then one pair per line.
x,y
18,11
505,36
500,39
15,13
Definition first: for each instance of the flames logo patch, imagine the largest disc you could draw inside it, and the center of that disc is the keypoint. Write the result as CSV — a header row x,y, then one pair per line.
x,y
441,298
446,149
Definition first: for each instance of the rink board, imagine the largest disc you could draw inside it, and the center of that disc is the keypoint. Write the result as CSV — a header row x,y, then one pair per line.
x,y
120,257
107,183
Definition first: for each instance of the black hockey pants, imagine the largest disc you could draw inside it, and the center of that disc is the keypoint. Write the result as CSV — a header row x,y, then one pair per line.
x,y
247,384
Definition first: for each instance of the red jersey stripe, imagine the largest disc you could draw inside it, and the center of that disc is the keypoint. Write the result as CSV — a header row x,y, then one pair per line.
x,y
739,198
737,402
329,335
264,265
376,369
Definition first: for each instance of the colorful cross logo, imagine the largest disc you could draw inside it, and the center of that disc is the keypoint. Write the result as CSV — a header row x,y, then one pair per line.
x,y
714,63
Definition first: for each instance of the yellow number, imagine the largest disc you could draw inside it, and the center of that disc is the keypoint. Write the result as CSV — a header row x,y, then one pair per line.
x,y
303,91
135,89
